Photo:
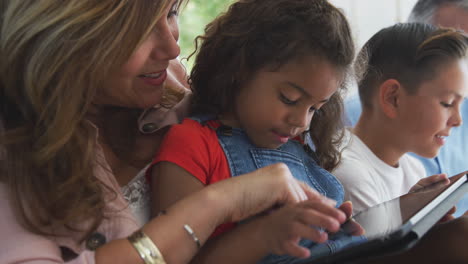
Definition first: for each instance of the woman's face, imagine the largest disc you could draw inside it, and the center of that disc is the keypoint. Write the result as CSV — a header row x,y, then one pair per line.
x,y
139,82
429,115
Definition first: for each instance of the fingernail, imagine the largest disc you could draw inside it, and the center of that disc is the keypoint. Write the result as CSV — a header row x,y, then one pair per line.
x,y
330,201
351,203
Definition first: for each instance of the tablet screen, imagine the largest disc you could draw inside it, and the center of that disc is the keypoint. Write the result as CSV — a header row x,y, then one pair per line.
x,y
388,217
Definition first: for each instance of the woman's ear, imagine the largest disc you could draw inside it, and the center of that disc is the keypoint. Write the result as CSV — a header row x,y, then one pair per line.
x,y
389,96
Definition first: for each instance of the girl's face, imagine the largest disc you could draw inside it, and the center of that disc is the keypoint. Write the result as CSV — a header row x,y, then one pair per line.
x,y
275,106
140,80
427,117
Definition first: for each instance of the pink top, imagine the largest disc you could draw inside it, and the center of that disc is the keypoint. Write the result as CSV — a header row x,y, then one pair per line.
x,y
21,246
18,245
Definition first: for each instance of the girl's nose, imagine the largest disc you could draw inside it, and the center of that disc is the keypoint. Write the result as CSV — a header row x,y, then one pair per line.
x,y
300,119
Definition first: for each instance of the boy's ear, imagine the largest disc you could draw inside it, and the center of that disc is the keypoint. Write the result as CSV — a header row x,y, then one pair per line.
x,y
389,96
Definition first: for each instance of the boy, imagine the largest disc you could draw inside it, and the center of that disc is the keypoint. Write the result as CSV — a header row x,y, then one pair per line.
x,y
413,80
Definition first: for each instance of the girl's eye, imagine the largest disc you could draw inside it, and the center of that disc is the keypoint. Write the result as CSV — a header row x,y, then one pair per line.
x,y
446,105
316,111
286,100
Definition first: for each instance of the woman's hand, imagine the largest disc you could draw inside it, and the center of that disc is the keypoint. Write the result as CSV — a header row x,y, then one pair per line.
x,y
255,192
282,229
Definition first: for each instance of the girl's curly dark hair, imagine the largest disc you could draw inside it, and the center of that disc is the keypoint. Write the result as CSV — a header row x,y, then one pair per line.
x,y
254,34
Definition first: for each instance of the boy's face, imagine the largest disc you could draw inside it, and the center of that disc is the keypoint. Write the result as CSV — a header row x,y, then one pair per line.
x,y
427,117
275,106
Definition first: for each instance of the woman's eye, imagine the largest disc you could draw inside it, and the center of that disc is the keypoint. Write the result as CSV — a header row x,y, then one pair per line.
x,y
173,13
174,10
444,104
286,100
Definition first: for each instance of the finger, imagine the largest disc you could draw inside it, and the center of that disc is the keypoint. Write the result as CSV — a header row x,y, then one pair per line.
x,y
354,228
321,217
295,250
295,193
326,206
452,210
295,190
433,179
441,179
446,218
311,233
301,188
347,208
310,193
314,195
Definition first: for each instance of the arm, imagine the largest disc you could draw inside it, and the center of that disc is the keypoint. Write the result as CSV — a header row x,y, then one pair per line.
x,y
229,200
278,232
184,154
170,183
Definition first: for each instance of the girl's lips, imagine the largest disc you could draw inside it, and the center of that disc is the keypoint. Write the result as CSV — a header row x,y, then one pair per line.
x,y
281,138
154,79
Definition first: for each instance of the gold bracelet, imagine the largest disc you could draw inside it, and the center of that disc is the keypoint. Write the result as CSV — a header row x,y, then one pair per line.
x,y
145,247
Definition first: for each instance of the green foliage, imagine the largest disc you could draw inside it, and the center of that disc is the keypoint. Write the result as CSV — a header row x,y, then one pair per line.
x,y
192,21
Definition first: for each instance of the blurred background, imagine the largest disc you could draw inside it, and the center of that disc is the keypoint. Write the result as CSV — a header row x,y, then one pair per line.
x,y
192,20
365,16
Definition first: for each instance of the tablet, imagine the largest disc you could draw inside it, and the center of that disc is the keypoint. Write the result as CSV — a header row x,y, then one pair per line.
x,y
398,224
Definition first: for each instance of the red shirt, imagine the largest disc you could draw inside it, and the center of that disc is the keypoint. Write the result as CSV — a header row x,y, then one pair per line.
x,y
196,149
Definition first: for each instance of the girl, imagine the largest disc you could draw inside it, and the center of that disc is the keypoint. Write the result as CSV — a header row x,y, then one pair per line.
x,y
268,76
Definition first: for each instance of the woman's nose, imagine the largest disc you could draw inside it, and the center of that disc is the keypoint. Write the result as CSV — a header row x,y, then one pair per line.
x,y
166,46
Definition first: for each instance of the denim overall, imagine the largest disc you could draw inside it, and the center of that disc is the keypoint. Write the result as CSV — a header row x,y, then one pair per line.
x,y
243,157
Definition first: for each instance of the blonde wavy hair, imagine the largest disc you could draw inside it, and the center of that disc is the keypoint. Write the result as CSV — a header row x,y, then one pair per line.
x,y
55,56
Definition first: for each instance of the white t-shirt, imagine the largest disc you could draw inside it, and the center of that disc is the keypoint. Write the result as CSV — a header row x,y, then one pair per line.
x,y
368,180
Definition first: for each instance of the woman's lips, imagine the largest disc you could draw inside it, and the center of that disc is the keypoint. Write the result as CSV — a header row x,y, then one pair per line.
x,y
154,79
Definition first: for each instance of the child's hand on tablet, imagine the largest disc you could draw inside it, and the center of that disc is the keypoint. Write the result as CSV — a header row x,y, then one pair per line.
x,y
352,227
429,181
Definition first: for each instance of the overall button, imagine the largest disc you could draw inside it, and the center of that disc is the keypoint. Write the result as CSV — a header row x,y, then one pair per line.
x,y
95,240
149,127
